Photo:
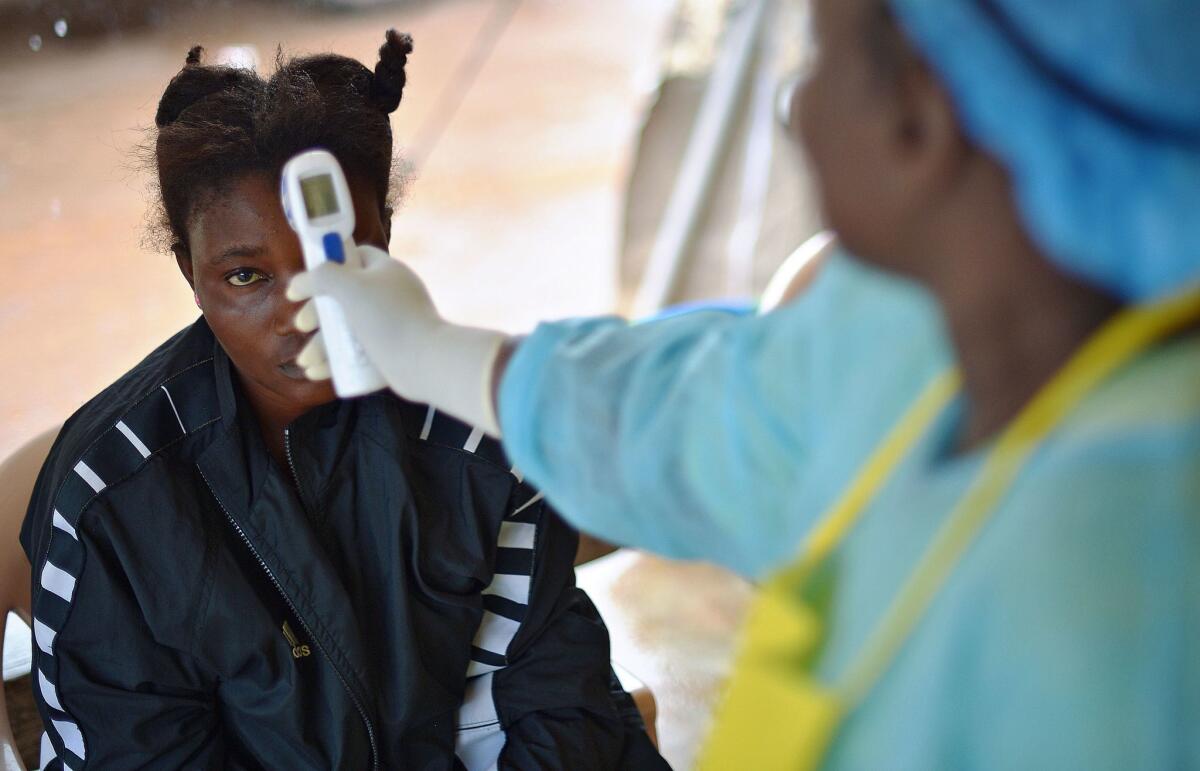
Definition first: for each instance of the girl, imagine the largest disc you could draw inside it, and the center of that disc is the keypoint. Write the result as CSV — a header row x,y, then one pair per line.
x,y
234,569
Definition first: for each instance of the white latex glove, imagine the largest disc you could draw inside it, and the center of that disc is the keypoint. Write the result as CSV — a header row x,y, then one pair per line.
x,y
422,356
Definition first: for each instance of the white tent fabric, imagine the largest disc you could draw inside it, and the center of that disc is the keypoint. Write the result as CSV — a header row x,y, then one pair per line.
x,y
760,207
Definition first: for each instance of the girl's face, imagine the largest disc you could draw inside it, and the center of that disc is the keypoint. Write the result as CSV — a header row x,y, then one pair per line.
x,y
243,254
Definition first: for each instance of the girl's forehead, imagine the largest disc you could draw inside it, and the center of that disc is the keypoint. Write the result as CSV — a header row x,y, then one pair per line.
x,y
248,211
234,202
245,211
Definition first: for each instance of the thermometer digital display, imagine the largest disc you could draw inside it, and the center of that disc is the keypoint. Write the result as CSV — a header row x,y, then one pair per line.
x,y
320,197
316,200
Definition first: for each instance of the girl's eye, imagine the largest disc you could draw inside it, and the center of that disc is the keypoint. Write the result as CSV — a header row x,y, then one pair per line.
x,y
244,277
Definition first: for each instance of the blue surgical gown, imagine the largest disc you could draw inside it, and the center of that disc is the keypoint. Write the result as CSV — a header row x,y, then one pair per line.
x,y
1067,636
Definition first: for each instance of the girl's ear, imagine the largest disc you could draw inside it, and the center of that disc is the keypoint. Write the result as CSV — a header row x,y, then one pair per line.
x,y
183,258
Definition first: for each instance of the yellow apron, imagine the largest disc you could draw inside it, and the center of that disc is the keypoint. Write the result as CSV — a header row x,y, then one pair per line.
x,y
775,714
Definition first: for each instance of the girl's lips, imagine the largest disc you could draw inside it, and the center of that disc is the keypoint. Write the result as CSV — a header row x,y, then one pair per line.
x,y
292,370
289,367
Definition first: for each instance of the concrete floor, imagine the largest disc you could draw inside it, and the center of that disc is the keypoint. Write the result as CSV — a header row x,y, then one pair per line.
x,y
513,219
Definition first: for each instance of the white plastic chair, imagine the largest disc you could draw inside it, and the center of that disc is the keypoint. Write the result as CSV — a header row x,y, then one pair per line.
x,y
17,475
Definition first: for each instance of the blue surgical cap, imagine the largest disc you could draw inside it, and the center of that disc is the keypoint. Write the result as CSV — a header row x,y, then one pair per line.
x,y
1093,107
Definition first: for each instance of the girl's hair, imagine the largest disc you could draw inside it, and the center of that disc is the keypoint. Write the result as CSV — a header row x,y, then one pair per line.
x,y
215,124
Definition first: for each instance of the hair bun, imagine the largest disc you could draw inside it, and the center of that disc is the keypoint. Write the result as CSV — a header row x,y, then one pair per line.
x,y
387,87
193,83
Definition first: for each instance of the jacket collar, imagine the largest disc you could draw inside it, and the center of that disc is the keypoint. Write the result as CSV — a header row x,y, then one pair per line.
x,y
226,396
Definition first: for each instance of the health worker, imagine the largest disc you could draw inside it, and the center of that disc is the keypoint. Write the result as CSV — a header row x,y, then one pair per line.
x,y
970,483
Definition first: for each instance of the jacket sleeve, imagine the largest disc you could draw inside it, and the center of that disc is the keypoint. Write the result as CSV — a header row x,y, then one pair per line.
x,y
115,688
557,697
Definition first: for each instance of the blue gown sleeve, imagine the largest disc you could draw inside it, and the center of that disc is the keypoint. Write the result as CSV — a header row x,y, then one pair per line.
x,y
700,436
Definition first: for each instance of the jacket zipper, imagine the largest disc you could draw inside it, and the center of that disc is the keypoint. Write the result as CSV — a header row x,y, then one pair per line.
x,y
295,612
362,711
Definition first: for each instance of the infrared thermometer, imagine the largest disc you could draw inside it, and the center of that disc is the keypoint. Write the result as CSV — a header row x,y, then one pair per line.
x,y
316,200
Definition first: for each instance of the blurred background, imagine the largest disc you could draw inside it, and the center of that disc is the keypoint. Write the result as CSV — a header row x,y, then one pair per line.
x,y
565,157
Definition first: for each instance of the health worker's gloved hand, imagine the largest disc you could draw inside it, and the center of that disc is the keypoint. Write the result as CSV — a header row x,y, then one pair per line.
x,y
422,356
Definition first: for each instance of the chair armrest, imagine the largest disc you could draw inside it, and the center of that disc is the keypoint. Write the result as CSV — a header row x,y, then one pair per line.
x,y
18,473
10,757
797,271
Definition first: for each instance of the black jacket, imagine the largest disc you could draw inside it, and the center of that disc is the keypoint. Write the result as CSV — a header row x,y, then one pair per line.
x,y
397,598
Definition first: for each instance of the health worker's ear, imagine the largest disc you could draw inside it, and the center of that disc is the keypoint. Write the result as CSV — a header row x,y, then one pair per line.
x,y
929,147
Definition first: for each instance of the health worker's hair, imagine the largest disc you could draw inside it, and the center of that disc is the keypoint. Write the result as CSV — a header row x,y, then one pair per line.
x,y
216,124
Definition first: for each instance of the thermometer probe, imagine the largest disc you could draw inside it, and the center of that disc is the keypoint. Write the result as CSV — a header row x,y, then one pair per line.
x,y
316,200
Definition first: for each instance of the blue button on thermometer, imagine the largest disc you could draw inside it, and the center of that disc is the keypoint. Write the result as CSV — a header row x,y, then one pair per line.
x,y
316,200
333,247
